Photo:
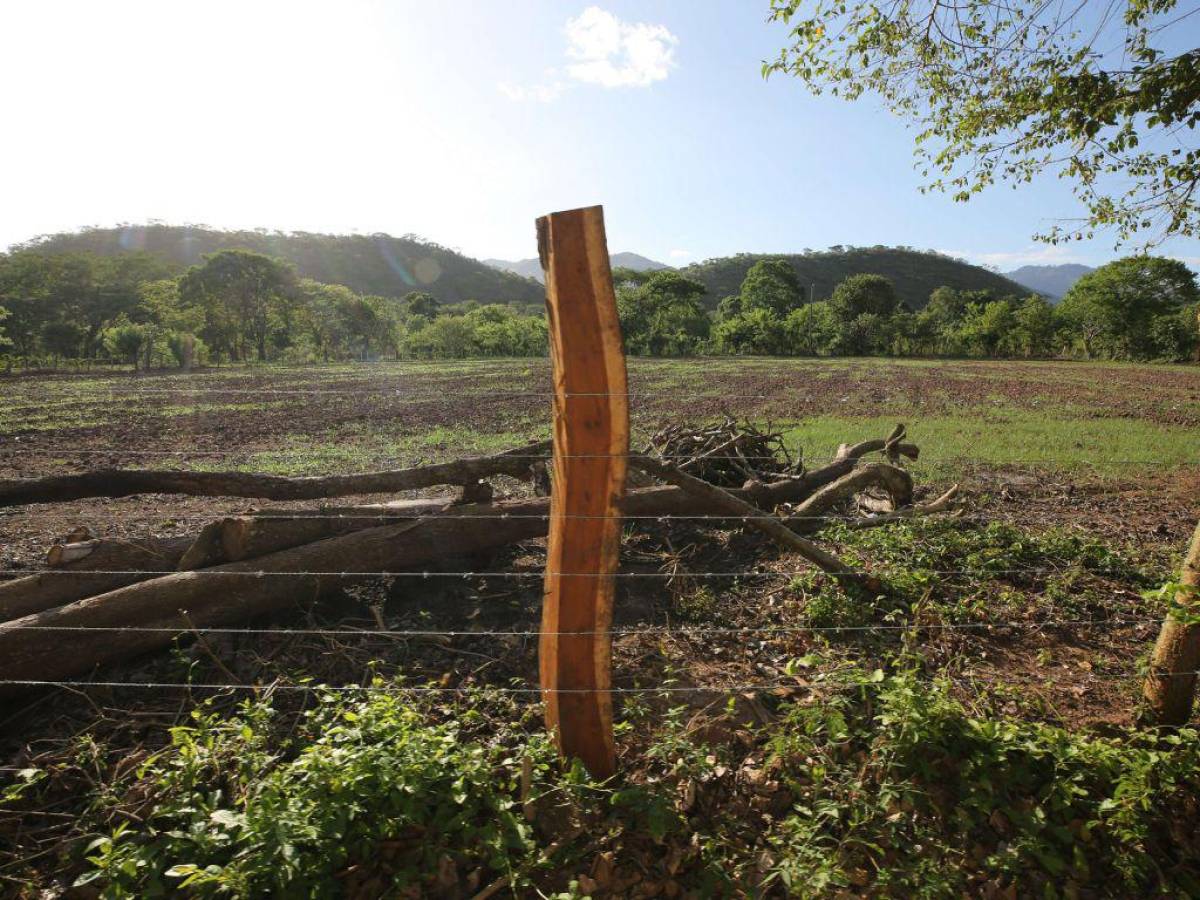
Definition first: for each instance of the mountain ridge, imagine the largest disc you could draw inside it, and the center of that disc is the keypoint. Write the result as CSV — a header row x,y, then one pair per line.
x,y
370,264
1051,280
393,266
915,274
532,268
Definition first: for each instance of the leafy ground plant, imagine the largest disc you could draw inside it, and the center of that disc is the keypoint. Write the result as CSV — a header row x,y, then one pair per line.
x,y
366,789
954,571
900,792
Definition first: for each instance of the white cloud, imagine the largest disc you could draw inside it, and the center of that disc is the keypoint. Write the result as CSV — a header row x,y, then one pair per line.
x,y
1034,255
613,53
680,254
607,52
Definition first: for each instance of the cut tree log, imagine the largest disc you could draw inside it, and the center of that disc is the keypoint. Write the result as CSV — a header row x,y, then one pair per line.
x,y
31,647
127,559
124,482
235,538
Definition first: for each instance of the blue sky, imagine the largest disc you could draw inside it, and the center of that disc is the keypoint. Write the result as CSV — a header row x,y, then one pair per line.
x,y
462,122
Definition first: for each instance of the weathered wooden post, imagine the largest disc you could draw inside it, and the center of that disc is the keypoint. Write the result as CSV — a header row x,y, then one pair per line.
x,y
1170,686
591,446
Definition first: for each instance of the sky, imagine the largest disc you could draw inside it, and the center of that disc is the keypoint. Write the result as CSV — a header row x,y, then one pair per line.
x,y
462,122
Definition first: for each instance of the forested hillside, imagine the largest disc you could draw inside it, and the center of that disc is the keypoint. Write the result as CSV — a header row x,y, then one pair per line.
x,y
377,264
915,274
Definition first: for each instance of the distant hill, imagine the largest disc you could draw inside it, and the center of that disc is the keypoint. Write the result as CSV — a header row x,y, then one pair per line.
x,y
1051,281
532,268
370,264
915,273
526,268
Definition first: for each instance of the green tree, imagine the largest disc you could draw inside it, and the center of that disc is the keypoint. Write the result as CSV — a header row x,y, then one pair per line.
x,y
862,294
862,335
420,303
771,284
446,337
1173,336
663,316
4,340
126,341
63,339
498,330
243,295
757,332
987,328
623,275
1010,89
1035,326
1111,309
812,330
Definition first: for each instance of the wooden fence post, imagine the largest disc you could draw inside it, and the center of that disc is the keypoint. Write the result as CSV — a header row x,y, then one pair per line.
x,y
1170,686
591,446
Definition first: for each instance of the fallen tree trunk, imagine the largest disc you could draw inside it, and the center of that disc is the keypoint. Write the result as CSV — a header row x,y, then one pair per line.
x,y
76,638
78,560
236,538
124,482
124,562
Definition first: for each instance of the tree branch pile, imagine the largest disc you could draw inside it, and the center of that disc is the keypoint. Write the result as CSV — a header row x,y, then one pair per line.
x,y
725,454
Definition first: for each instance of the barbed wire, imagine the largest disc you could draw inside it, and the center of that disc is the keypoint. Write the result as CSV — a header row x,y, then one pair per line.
x,y
750,687
546,457
983,569
399,516
636,631
187,393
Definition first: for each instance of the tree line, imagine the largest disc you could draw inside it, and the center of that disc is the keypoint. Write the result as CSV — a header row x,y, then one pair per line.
x,y
238,306
1137,308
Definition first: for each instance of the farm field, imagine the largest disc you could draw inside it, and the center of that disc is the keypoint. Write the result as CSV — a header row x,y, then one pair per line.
x,y
773,731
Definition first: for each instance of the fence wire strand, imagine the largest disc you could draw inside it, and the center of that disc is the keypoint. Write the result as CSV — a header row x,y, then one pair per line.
x,y
667,631
741,573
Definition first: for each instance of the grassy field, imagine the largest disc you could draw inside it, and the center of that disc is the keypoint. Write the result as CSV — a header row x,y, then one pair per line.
x,y
967,732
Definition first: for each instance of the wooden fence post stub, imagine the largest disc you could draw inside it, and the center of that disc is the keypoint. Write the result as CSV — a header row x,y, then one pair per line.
x,y
591,445
1170,686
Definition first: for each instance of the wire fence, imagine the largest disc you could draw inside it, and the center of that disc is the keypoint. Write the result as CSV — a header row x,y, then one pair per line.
x,y
401,397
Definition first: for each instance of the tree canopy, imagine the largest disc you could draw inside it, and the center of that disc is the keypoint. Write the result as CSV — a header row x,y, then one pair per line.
x,y
244,296
861,294
661,314
1115,307
771,284
1099,93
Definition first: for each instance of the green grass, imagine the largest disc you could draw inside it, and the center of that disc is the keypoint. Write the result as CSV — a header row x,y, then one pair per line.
x,y
372,448
1054,439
